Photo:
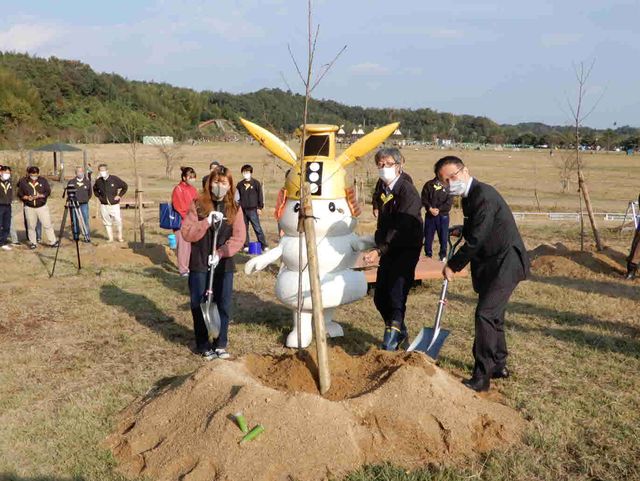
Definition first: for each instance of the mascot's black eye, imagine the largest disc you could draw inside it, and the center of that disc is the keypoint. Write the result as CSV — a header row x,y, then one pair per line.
x,y
296,208
332,207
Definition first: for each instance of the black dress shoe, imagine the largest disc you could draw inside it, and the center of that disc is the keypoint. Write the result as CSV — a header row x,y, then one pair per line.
x,y
500,373
631,275
478,384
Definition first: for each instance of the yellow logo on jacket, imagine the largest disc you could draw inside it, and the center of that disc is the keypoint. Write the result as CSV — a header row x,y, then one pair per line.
x,y
385,198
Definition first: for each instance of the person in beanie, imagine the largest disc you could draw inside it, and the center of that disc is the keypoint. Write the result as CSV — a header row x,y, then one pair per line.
x,y
182,197
437,202
82,187
215,206
6,196
34,190
250,197
398,241
109,189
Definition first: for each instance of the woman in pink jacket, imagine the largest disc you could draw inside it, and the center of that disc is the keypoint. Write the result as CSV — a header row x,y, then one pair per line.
x,y
182,197
216,203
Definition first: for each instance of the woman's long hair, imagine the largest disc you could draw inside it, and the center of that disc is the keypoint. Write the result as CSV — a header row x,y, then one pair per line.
x,y
205,201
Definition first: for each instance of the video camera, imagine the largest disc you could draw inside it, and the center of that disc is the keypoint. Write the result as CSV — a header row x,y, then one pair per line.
x,y
71,192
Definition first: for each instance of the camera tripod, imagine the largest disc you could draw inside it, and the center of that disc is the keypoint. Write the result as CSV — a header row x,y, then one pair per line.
x,y
72,206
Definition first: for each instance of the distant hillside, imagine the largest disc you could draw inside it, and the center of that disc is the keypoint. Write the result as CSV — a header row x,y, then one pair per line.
x,y
64,99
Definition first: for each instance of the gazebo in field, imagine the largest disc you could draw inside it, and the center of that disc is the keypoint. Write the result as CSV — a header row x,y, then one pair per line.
x,y
59,148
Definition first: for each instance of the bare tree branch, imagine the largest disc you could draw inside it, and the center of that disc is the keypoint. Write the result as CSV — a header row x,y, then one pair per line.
x,y
296,65
327,68
285,81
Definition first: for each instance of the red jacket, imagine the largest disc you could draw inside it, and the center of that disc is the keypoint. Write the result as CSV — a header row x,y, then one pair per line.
x,y
182,197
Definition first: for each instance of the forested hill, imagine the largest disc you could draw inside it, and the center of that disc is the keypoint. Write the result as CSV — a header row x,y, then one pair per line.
x,y
66,100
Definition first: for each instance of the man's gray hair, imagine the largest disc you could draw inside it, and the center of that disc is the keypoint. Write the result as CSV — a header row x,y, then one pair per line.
x,y
389,152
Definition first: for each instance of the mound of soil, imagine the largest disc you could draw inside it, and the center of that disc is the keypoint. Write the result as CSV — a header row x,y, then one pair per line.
x,y
382,407
558,260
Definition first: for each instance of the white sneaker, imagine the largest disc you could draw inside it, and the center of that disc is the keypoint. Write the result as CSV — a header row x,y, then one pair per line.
x,y
265,249
7,247
245,249
208,355
222,354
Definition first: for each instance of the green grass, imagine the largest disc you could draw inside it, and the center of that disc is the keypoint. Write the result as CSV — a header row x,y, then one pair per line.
x,y
78,348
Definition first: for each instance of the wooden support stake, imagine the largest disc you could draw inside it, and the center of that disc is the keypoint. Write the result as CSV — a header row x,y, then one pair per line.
x,y
316,293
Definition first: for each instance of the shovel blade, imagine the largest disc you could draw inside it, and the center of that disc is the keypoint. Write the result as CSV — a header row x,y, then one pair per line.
x,y
211,318
428,342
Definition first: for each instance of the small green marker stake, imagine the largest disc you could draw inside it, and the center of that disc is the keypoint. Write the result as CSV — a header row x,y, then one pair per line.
x,y
242,422
254,433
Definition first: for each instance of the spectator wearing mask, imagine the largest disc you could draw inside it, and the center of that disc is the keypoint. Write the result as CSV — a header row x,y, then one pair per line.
x,y
34,190
216,203
212,166
437,202
182,197
251,198
82,187
109,189
6,197
398,241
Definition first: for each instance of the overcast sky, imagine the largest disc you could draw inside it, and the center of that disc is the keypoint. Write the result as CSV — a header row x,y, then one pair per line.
x,y
509,60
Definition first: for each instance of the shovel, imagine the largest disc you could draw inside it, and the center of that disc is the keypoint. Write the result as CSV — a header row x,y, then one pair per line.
x,y
208,306
431,340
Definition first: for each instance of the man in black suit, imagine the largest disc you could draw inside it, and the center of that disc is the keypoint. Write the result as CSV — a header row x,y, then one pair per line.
x,y
499,261
398,240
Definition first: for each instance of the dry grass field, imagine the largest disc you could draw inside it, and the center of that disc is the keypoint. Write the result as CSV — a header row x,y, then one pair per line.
x,y
78,348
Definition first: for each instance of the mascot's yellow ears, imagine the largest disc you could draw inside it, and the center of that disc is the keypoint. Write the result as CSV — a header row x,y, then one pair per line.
x,y
324,171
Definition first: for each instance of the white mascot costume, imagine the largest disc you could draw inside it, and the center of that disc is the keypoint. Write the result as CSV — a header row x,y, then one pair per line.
x,y
334,209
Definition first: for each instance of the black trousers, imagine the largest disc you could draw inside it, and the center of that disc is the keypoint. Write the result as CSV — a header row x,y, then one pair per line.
x,y
5,223
490,346
395,277
432,225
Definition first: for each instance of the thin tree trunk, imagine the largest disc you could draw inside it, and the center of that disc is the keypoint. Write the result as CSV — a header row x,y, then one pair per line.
x,y
587,202
324,374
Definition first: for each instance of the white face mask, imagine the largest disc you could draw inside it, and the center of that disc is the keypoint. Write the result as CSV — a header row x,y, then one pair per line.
x,y
387,174
219,191
33,177
191,180
6,176
80,176
457,187
104,174
246,175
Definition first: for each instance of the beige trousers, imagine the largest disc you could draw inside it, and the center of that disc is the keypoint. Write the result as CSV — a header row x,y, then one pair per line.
x,y
110,215
34,214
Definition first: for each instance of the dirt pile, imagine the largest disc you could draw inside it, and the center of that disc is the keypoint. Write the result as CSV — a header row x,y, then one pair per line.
x,y
558,260
395,407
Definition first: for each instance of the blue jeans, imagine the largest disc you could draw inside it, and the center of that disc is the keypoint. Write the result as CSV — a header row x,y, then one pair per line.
x,y
222,291
5,223
251,217
439,224
84,210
